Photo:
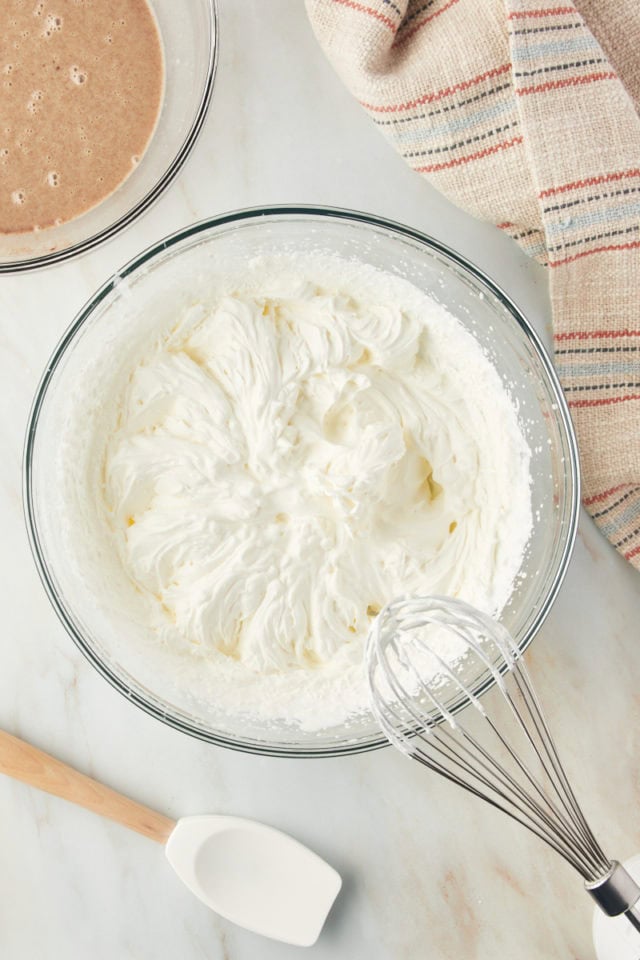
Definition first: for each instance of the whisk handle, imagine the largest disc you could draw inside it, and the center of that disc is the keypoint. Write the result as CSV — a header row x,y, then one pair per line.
x,y
633,916
616,893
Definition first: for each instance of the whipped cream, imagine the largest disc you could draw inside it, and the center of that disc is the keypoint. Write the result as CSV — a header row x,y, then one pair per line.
x,y
290,454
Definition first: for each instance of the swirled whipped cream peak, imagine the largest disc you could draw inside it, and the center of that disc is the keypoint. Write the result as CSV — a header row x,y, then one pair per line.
x,y
294,451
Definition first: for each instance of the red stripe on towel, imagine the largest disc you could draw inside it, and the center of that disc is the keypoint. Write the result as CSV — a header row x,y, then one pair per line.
x,y
599,497
360,7
604,402
570,82
549,12
433,168
595,334
430,97
587,253
590,181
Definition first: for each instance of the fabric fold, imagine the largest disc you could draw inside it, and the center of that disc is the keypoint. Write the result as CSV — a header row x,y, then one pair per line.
x,y
525,114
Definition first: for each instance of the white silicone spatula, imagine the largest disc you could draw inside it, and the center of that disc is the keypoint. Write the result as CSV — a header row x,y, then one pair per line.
x,y
247,872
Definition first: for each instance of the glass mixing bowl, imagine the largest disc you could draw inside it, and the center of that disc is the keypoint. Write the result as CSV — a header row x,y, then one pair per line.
x,y
151,285
189,35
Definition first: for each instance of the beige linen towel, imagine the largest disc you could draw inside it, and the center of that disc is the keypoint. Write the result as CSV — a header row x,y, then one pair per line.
x,y
525,113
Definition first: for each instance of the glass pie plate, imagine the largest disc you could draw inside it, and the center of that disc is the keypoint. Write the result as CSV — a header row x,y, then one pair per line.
x,y
147,286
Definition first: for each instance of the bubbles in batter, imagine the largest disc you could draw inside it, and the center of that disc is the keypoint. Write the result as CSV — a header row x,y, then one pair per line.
x,y
58,74
78,76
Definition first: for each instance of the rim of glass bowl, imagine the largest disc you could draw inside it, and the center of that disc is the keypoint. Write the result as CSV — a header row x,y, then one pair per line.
x,y
147,701
167,178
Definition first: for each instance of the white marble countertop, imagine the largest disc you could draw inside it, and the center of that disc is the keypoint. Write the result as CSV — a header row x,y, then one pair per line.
x,y
429,872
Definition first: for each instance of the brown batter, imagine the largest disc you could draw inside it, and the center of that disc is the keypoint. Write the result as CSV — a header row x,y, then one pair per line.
x,y
81,85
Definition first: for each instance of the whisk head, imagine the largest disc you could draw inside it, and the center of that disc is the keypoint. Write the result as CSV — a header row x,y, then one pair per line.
x,y
430,657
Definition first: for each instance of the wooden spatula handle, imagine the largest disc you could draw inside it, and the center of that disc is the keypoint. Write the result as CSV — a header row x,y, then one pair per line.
x,y
26,763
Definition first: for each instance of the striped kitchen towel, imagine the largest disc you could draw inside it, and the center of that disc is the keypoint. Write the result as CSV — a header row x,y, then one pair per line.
x,y
526,115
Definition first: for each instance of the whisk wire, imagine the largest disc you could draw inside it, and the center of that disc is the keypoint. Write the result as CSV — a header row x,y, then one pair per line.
x,y
564,788
470,768
506,806
491,768
557,819
557,846
419,714
543,817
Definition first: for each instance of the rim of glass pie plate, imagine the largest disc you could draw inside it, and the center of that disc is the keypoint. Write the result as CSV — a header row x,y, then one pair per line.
x,y
128,686
108,233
